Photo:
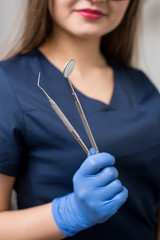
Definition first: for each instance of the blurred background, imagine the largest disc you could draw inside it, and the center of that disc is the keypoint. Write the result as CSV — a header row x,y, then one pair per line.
x,y
148,41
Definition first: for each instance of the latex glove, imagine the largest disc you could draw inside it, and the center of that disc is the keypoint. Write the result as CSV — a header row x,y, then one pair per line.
x,y
98,194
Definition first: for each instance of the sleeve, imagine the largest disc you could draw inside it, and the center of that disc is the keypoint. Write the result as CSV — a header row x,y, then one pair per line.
x,y
11,129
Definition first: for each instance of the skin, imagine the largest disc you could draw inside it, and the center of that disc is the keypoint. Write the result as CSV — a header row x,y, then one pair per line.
x,y
77,37
73,37
31,224
73,23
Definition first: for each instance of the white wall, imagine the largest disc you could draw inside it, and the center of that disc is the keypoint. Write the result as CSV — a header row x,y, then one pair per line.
x,y
149,50
149,47
8,12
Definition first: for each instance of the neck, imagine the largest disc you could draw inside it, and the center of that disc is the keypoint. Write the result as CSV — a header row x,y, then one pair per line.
x,y
61,47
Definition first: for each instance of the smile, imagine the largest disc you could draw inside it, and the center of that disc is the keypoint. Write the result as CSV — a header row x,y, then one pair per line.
x,y
90,13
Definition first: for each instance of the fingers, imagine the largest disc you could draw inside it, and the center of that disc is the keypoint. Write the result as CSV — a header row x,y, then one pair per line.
x,y
94,163
92,151
105,176
110,191
116,202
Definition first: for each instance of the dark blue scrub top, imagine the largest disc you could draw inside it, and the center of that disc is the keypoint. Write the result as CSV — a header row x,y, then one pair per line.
x,y
40,152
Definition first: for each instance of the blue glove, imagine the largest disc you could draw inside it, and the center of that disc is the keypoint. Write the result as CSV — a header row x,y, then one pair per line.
x,y
97,195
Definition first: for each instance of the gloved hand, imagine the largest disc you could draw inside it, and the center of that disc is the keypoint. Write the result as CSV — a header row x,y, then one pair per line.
x,y
98,194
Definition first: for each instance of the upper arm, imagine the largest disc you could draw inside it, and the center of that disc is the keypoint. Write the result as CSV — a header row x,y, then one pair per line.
x,y
6,186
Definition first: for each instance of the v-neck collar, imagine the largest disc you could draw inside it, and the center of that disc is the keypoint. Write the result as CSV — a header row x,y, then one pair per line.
x,y
84,99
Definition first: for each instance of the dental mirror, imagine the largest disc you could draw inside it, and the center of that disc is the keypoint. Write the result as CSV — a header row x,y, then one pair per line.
x,y
68,68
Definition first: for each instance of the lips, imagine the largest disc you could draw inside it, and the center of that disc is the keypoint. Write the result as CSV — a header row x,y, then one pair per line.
x,y
90,13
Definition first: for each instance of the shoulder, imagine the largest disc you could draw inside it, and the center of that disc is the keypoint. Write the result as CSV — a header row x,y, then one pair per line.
x,y
142,84
138,77
17,78
137,83
18,63
20,71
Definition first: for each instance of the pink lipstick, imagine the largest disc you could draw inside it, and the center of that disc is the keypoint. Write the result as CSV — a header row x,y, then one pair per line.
x,y
90,13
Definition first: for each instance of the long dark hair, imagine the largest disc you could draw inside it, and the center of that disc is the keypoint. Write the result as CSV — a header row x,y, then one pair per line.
x,y
38,25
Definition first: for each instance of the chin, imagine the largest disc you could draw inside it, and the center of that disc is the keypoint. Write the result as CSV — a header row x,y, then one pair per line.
x,y
90,34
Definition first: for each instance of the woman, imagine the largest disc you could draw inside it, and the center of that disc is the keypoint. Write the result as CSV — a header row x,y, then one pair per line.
x,y
39,157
